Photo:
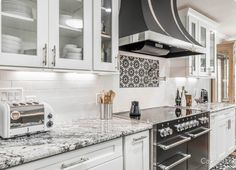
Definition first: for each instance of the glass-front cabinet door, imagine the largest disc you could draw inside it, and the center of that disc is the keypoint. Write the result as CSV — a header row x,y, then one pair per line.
x,y
70,30
106,15
203,59
194,32
213,56
24,33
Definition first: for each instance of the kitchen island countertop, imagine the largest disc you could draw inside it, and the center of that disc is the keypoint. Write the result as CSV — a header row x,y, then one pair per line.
x,y
65,137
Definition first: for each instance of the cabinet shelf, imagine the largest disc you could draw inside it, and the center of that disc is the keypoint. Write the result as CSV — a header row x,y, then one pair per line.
x,y
105,36
18,22
17,17
70,32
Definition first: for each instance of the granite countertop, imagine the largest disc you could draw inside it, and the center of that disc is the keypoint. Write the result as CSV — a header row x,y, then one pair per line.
x,y
214,107
65,137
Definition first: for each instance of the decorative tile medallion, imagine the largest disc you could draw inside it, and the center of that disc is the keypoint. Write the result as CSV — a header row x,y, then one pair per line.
x,y
138,72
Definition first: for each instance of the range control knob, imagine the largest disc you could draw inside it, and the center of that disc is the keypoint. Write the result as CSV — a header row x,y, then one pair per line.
x,y
195,123
169,131
187,125
50,116
178,127
203,120
50,124
183,126
191,124
162,132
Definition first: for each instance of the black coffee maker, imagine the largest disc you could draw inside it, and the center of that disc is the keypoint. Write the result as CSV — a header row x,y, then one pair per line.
x,y
134,110
204,96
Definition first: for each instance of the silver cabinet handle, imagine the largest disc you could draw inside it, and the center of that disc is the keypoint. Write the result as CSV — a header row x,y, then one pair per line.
x,y
54,50
139,139
82,160
185,157
167,147
206,130
45,48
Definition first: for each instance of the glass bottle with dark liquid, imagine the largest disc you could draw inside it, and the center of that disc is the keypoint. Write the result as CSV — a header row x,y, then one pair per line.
x,y
178,99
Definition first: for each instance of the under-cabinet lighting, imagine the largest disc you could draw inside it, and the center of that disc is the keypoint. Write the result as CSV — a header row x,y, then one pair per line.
x,y
75,23
80,76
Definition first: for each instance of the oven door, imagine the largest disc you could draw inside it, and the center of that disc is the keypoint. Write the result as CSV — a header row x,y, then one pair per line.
x,y
171,154
198,147
26,116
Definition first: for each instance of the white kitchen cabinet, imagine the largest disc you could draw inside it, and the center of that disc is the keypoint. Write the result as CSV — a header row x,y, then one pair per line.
x,y
104,156
24,35
106,35
60,35
136,151
222,135
70,34
202,30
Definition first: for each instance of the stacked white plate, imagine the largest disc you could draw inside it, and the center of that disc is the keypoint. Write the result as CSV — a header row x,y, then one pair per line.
x,y
17,7
72,51
11,44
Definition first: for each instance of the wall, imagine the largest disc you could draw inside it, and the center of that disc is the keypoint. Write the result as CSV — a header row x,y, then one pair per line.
x,y
153,97
74,95
70,94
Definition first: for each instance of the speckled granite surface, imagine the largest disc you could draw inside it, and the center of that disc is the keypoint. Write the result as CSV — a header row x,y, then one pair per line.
x,y
65,137
214,107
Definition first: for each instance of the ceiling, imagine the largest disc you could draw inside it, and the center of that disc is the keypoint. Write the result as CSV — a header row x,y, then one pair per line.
x,y
221,11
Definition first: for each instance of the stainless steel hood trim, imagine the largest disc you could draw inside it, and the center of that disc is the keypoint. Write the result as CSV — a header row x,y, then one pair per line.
x,y
162,39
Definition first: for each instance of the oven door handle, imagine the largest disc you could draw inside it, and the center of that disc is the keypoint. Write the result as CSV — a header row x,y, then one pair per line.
x,y
185,157
167,147
206,130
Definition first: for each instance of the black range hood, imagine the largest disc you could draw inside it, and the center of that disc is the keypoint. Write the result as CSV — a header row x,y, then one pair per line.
x,y
153,27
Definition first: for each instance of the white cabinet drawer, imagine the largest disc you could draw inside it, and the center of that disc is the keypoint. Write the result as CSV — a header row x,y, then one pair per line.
x,y
82,159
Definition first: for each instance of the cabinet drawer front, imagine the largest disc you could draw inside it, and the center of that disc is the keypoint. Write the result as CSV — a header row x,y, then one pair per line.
x,y
80,159
90,158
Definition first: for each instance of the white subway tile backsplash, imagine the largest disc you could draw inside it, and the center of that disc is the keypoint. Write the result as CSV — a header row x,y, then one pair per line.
x,y
73,95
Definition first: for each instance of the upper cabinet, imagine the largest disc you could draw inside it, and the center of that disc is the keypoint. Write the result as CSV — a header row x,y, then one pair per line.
x,y
70,34
202,30
106,14
60,34
24,33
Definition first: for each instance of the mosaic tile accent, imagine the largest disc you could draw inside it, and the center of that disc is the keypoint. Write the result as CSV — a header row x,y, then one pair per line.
x,y
228,163
138,72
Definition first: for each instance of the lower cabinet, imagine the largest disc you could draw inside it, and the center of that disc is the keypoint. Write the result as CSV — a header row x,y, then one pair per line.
x,y
128,153
105,156
222,135
136,152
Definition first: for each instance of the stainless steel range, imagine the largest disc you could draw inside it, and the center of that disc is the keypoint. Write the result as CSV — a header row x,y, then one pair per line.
x,y
180,137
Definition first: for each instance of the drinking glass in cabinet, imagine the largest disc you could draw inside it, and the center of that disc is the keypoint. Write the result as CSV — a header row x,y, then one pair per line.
x,y
19,26
71,29
106,31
